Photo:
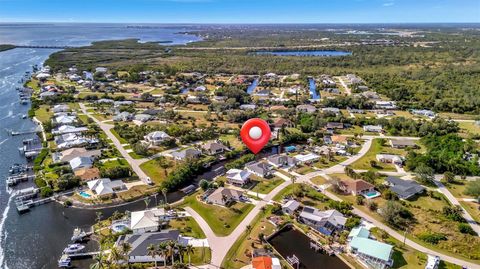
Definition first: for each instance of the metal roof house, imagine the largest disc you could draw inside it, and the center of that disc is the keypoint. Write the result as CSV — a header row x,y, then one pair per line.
x,y
404,189
140,243
325,222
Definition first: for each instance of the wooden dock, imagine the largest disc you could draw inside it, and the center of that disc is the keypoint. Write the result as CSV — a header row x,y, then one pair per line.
x,y
83,254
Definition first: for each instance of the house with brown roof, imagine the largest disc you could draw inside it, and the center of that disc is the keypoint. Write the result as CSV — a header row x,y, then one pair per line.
x,y
281,122
339,139
87,174
356,187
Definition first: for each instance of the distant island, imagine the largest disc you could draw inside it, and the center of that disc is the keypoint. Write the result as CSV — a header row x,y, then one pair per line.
x,y
6,47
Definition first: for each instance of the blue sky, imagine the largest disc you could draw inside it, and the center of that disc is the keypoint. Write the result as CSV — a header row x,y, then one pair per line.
x,y
240,11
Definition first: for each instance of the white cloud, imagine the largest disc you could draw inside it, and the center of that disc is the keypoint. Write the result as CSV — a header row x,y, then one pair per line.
x,y
388,3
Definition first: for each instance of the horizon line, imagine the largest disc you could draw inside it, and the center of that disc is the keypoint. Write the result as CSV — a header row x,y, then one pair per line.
x,y
233,23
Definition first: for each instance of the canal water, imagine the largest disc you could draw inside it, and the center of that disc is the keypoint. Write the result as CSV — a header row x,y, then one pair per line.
x,y
290,242
315,53
36,239
252,86
313,89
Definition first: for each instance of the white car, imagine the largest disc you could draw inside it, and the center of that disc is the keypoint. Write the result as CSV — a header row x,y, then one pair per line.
x,y
149,181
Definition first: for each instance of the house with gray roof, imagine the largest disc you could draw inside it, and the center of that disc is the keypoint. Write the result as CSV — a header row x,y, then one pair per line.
x,y
186,154
224,196
281,161
156,138
81,163
123,116
142,117
326,222
290,207
214,148
140,243
404,189
402,143
260,169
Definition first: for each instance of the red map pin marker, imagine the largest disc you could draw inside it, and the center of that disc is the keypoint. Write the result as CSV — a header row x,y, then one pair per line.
x,y
255,134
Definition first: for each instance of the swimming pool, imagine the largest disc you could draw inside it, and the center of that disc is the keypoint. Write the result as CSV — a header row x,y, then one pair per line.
x,y
120,227
371,194
84,194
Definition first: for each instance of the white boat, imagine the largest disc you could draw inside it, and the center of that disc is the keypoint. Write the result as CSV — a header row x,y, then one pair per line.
x,y
64,261
78,235
73,248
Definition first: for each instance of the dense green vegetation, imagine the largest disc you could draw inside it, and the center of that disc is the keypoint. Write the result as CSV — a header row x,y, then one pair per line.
x,y
446,153
442,75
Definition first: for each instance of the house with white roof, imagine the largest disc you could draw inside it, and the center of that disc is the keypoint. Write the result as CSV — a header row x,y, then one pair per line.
x,y
373,128
150,220
238,177
306,158
65,119
156,138
67,129
390,158
60,108
103,187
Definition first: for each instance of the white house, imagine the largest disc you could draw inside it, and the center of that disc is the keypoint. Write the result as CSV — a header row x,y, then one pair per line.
x,y
238,177
157,137
140,243
105,186
373,128
306,158
325,222
147,220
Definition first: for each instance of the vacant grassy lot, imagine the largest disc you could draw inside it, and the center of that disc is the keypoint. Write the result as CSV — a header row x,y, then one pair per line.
x,y
324,162
122,140
265,185
187,227
155,172
240,253
225,220
199,257
377,148
44,113
470,127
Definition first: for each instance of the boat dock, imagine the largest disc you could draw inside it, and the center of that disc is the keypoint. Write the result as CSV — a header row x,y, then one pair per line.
x,y
83,254
25,205
293,260
15,179
318,247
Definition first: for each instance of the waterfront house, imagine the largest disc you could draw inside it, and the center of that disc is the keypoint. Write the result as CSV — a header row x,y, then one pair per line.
x,y
373,128
73,140
87,174
404,189
375,254
359,231
149,220
356,187
290,207
139,244
281,161
390,158
156,138
306,108
81,163
186,154
224,196
65,120
105,187
260,169
266,262
306,158
72,153
238,177
47,94
214,148
326,222
66,129
402,143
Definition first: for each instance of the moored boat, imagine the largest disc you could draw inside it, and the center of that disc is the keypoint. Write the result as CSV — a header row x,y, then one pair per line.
x,y
73,248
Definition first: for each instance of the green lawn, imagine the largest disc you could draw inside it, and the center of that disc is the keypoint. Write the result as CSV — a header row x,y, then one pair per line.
x,y
122,140
44,113
187,227
155,172
224,220
304,169
239,254
325,163
377,148
199,257
265,186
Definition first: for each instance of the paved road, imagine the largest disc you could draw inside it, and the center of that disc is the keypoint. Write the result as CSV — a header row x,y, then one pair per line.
x,y
454,201
345,86
135,164
220,245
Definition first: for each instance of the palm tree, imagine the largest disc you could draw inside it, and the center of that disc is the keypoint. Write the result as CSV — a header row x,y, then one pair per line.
x,y
115,255
190,250
147,202
125,250
171,250
293,185
181,251
152,251
162,248
164,192
98,261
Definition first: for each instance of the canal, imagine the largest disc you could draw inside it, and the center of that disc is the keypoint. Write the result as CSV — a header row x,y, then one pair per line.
x,y
313,89
290,242
252,86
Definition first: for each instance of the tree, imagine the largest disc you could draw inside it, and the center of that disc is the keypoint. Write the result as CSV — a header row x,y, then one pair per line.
x,y
140,148
164,192
163,250
152,251
98,261
125,249
473,188
189,249
204,184
449,177
395,214
425,174
359,199
171,250
373,206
